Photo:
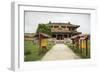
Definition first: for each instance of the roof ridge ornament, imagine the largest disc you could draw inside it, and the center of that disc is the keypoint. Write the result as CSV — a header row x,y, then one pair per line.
x,y
49,22
69,23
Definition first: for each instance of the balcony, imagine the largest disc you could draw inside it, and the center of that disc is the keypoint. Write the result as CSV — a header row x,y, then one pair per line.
x,y
62,30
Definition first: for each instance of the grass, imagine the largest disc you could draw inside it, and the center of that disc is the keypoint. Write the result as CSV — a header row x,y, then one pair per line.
x,y
31,51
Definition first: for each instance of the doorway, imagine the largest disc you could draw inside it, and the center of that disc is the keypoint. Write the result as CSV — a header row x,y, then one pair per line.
x,y
60,37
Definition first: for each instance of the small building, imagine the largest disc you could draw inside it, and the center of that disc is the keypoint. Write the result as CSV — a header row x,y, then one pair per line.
x,y
28,36
43,40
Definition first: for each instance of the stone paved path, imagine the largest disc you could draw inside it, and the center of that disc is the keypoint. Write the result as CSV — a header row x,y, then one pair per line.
x,y
60,52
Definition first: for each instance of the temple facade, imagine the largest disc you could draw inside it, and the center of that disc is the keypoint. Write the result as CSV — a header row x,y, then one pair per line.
x,y
61,31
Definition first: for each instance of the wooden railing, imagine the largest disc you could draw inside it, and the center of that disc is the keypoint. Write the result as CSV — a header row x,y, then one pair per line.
x,y
62,30
81,44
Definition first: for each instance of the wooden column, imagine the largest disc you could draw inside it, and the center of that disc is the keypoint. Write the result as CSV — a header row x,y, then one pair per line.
x,y
80,46
63,36
68,35
86,46
56,36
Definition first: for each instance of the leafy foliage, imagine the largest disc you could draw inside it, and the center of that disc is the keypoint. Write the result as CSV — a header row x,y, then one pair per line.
x,y
44,28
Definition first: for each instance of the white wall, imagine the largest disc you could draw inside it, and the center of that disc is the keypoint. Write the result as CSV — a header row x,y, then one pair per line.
x,y
5,27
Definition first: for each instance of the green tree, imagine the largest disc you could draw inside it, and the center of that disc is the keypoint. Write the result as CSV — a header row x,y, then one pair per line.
x,y
44,28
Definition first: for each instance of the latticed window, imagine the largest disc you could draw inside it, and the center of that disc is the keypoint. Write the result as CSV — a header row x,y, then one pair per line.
x,y
63,26
56,26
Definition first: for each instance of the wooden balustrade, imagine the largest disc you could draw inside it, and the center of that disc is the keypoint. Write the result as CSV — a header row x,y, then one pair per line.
x,y
82,44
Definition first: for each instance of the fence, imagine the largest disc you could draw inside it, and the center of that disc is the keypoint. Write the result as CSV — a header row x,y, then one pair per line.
x,y
81,45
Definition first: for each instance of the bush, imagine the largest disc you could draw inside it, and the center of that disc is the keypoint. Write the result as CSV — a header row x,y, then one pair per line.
x,y
44,28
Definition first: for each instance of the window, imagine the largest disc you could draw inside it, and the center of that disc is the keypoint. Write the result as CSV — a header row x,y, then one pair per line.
x,y
51,26
63,26
56,26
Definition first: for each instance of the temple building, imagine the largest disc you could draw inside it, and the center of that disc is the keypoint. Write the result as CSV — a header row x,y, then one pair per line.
x,y
61,31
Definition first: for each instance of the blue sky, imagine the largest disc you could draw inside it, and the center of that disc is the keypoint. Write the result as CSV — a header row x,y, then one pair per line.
x,y
32,19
